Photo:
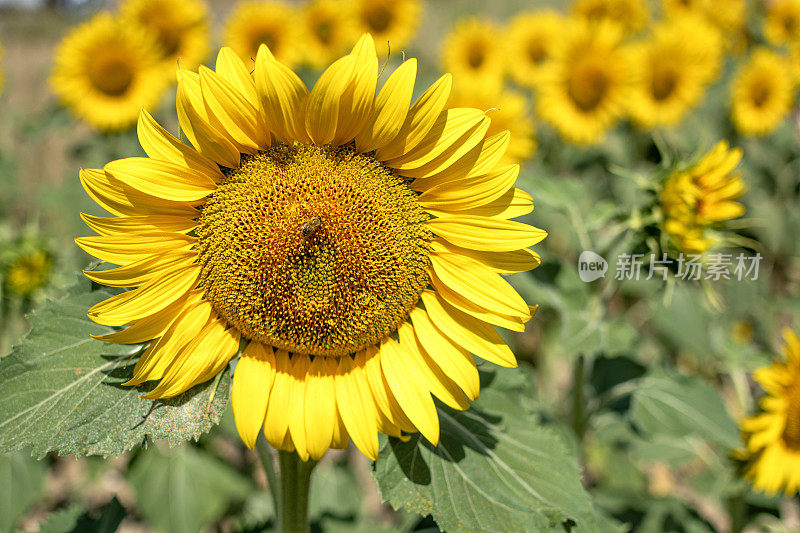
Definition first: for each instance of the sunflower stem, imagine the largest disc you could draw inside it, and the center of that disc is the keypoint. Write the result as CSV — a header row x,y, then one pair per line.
x,y
268,462
295,485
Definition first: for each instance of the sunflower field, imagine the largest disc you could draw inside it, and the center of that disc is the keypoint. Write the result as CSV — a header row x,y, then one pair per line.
x,y
274,265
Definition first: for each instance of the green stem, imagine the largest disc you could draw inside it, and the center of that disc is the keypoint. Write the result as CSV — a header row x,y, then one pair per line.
x,y
268,462
295,484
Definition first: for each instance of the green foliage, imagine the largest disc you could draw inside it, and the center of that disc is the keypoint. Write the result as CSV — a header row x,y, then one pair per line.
x,y
75,520
184,488
61,390
495,467
21,479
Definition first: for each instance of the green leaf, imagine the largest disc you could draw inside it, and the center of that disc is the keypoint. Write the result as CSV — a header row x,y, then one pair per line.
x,y
673,404
182,489
61,390
75,520
495,468
21,479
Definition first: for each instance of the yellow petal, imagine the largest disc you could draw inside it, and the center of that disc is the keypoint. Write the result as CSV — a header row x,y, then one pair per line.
x,y
468,193
142,271
161,179
358,99
297,422
252,381
160,144
153,326
503,262
478,284
357,407
419,120
391,415
474,335
320,406
480,161
283,97
408,383
150,298
231,67
484,233
276,423
125,249
454,360
196,125
139,225
391,108
322,107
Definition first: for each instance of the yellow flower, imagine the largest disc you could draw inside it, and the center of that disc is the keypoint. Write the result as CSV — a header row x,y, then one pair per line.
x,y
742,332
782,21
583,87
762,94
671,71
106,71
28,272
695,199
392,23
728,16
252,24
530,41
179,26
773,436
354,244
509,112
474,53
632,15
326,31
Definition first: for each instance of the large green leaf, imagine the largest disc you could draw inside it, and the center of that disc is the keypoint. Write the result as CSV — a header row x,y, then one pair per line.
x,y
182,489
21,479
673,404
495,468
61,390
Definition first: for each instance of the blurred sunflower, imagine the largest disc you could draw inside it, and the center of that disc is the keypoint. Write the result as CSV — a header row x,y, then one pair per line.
x,y
354,308
670,73
392,23
512,114
762,93
773,436
106,71
584,86
782,22
28,272
326,31
729,16
530,40
632,15
695,199
474,53
179,26
252,24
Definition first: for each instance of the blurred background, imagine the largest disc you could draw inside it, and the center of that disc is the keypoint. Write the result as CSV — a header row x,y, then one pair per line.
x,y
612,105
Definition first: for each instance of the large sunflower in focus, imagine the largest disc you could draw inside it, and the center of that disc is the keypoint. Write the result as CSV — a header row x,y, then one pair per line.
x,y
762,93
632,15
326,31
475,54
352,243
584,86
530,41
694,200
180,28
671,72
254,23
106,71
773,436
392,23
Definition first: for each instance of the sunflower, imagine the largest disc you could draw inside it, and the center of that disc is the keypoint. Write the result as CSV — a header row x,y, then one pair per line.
x,y
28,272
530,40
392,23
179,26
762,94
584,86
326,31
782,22
671,72
474,53
252,24
773,436
511,114
106,71
632,15
352,244
728,17
695,199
